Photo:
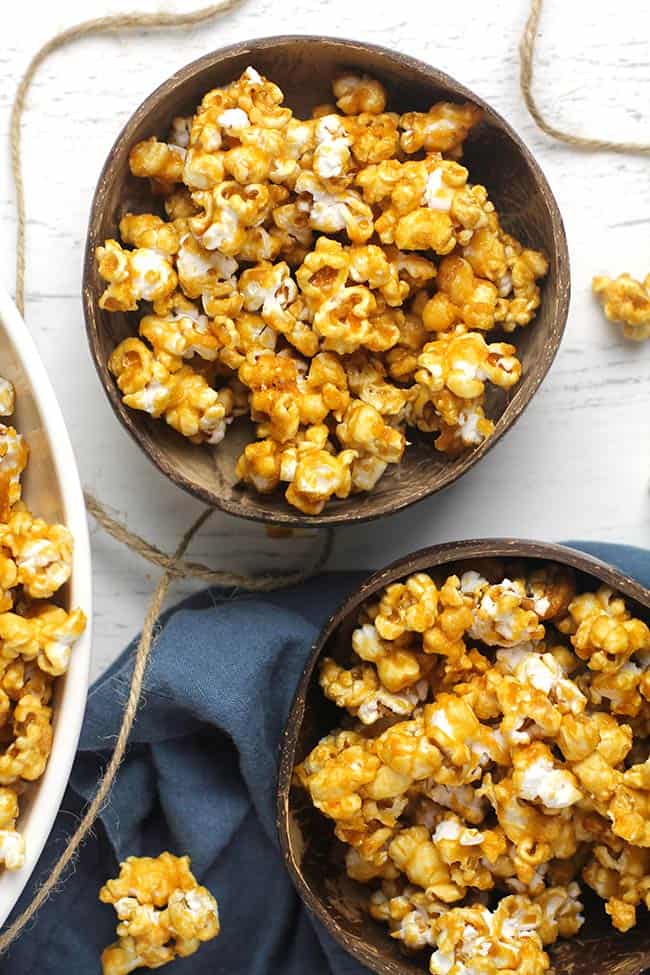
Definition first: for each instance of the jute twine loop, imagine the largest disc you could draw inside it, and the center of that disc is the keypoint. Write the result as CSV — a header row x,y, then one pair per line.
x,y
526,56
174,566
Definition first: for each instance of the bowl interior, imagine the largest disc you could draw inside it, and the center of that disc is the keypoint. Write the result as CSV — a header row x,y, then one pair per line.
x,y
304,68
52,490
314,856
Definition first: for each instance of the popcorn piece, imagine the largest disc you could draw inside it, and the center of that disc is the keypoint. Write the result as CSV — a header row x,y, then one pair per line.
x,y
364,430
56,632
466,744
373,138
607,643
406,749
463,363
620,874
525,268
413,852
334,210
14,454
159,161
27,755
464,800
12,845
545,673
7,397
500,619
184,397
366,376
551,588
462,297
352,318
477,940
196,410
445,637
359,93
626,300
243,339
318,476
209,275
410,606
537,777
42,553
162,912
133,276
397,666
334,773
270,289
591,604
442,129
408,911
332,153
143,379
361,692
182,332
145,230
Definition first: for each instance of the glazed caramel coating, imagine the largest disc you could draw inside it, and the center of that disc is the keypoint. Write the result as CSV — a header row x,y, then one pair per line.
x,y
492,754
355,234
162,912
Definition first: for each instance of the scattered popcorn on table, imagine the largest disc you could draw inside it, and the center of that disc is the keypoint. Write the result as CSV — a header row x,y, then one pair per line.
x,y
626,300
163,913
494,755
342,270
36,636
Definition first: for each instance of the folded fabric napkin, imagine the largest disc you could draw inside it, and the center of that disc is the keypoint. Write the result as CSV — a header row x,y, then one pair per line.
x,y
200,778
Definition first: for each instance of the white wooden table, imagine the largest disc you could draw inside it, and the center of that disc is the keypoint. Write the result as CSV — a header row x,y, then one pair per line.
x,y
576,465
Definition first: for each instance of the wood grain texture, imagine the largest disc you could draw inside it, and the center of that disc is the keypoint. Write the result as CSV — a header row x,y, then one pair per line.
x,y
314,857
576,465
304,68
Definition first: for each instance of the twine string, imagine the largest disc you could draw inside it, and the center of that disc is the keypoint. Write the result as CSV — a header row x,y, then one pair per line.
x,y
174,566
526,59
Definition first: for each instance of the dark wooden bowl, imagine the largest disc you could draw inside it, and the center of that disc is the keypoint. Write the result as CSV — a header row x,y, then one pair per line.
x,y
313,856
304,67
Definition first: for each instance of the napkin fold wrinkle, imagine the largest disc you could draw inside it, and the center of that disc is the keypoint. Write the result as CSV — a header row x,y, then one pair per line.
x,y
199,777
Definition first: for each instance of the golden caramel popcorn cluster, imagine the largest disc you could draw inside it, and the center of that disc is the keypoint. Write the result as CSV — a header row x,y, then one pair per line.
x,y
335,279
626,300
163,913
494,757
36,636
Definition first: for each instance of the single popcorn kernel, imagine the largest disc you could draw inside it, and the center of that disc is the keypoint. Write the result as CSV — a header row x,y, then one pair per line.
x,y
354,246
501,766
163,913
626,300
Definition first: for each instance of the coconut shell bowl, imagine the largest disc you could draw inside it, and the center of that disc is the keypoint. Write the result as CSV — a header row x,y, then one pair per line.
x,y
315,858
304,68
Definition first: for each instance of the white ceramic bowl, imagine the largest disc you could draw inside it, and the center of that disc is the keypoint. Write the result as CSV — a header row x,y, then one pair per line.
x,y
52,489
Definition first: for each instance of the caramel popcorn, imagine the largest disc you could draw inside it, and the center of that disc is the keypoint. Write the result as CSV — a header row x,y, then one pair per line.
x,y
36,636
351,250
626,300
162,912
494,758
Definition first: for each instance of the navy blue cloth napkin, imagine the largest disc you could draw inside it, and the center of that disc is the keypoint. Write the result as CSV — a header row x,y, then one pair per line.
x,y
200,778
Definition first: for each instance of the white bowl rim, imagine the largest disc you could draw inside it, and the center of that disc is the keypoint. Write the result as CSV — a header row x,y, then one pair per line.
x,y
69,713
